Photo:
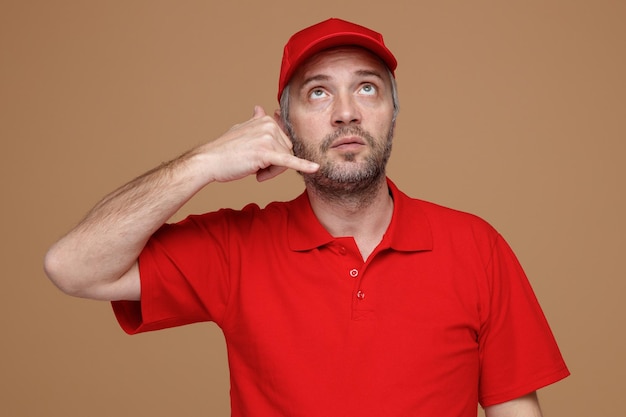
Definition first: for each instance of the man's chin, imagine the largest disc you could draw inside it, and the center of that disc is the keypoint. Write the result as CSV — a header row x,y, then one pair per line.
x,y
344,179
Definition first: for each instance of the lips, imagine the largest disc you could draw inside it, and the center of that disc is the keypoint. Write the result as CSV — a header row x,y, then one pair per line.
x,y
348,141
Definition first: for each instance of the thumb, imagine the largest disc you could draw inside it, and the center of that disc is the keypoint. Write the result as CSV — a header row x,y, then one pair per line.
x,y
258,112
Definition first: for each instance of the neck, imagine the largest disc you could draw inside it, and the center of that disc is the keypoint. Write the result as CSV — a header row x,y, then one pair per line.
x,y
363,216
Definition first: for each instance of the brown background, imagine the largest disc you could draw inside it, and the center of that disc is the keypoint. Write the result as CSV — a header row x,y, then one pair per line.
x,y
514,111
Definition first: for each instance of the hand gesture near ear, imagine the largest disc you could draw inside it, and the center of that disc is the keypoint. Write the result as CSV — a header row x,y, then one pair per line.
x,y
98,258
257,146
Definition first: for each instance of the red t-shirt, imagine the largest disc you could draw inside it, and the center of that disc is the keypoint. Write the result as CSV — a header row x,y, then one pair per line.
x,y
439,317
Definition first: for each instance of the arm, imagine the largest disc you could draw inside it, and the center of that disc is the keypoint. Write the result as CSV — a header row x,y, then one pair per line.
x,y
526,406
98,258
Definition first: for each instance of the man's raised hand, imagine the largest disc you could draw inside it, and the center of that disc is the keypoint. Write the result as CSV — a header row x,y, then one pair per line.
x,y
257,146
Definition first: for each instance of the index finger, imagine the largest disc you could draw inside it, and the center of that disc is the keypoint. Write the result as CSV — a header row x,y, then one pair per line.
x,y
284,162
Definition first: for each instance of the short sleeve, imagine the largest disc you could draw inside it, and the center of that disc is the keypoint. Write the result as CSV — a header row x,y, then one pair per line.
x,y
518,352
184,276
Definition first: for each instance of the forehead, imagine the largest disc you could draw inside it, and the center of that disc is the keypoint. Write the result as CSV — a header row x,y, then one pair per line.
x,y
345,58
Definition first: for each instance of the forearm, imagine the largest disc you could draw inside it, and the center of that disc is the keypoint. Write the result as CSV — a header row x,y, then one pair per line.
x,y
107,242
97,258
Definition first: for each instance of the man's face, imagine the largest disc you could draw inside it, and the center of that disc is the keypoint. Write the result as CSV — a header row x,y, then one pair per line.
x,y
341,116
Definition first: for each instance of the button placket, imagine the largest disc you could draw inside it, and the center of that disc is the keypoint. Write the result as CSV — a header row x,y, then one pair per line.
x,y
354,272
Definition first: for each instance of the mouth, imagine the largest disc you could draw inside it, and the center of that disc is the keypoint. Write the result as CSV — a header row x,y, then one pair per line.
x,y
348,142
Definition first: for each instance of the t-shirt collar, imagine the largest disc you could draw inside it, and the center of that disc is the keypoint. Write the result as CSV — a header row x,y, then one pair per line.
x,y
409,230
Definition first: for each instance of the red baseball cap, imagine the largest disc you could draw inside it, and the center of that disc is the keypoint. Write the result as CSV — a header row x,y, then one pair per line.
x,y
327,34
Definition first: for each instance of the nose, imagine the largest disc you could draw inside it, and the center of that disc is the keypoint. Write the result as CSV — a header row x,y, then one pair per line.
x,y
345,110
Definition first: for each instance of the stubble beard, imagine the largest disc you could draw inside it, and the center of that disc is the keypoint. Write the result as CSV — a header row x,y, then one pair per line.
x,y
350,180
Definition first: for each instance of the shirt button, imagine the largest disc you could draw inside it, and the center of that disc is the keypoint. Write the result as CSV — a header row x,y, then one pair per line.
x,y
354,273
342,250
360,295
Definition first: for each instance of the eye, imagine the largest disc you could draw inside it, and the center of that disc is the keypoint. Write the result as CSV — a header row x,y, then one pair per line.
x,y
368,89
317,93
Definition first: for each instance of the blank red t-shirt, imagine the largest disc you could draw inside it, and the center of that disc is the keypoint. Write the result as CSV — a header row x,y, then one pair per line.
x,y
439,317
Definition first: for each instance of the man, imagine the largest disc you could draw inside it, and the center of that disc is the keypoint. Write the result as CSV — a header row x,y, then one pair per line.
x,y
352,299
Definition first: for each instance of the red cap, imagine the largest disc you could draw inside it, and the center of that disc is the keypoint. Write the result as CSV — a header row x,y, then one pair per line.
x,y
327,34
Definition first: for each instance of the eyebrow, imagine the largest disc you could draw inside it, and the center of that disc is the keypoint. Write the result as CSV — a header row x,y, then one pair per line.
x,y
315,78
365,73
322,77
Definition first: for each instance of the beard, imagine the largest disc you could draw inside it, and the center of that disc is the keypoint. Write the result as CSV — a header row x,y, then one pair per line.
x,y
348,178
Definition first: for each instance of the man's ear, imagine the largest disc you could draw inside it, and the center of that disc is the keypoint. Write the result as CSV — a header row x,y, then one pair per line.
x,y
279,120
